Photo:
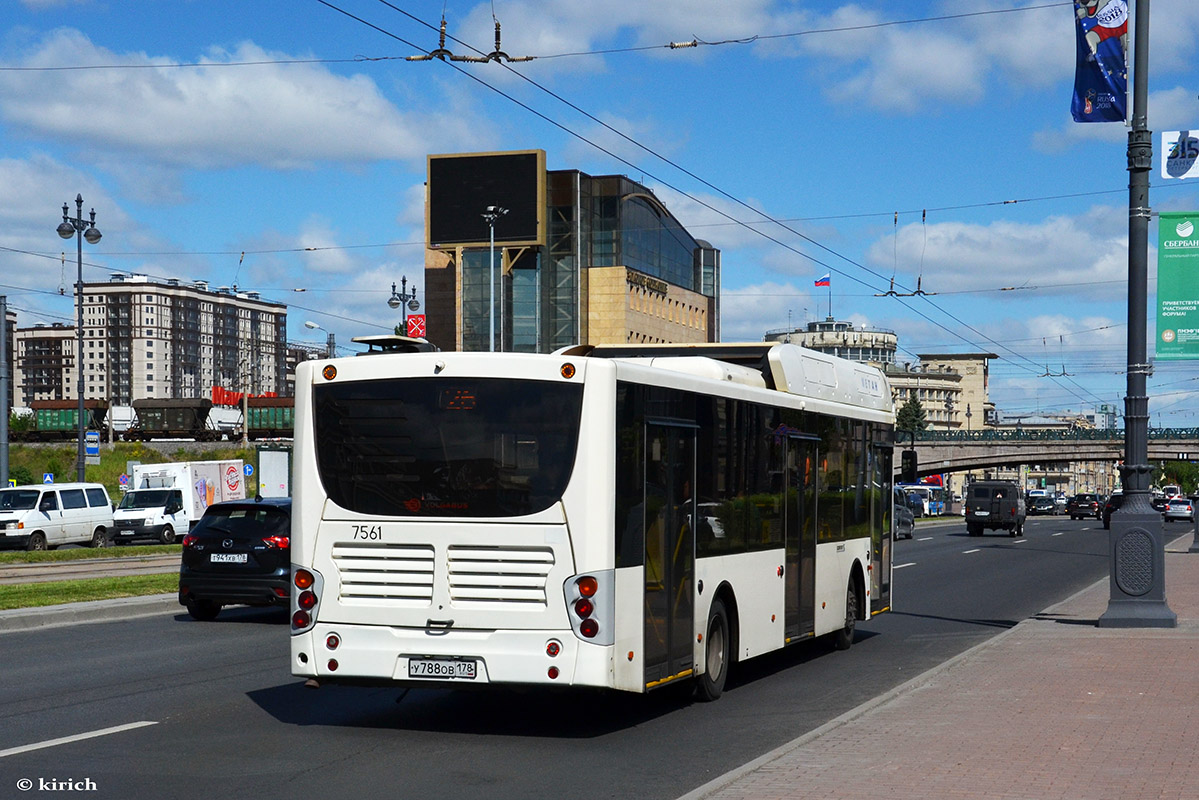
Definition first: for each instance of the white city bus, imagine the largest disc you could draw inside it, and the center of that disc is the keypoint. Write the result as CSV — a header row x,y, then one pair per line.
x,y
617,516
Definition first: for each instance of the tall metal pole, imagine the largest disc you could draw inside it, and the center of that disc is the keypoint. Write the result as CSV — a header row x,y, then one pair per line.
x,y
490,215
1136,540
5,368
491,281
80,460
81,230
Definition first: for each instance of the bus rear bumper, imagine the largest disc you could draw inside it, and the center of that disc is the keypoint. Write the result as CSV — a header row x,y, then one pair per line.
x,y
333,653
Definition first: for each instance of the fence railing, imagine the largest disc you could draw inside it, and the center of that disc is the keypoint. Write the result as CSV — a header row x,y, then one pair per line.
x,y
1065,435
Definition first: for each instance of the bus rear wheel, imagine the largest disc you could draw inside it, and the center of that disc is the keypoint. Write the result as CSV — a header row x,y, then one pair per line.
x,y
717,653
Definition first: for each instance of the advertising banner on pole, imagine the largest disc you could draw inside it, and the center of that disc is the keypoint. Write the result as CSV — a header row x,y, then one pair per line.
x,y
1178,286
1180,154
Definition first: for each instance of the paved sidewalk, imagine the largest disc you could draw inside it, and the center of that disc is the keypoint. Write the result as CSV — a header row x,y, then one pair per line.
x,y
1055,708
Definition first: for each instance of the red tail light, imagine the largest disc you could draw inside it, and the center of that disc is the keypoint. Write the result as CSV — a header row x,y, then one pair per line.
x,y
306,600
300,619
584,607
304,579
189,540
280,542
587,585
589,628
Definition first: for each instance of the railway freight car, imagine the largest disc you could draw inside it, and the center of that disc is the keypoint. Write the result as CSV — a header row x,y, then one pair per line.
x,y
270,417
172,419
56,420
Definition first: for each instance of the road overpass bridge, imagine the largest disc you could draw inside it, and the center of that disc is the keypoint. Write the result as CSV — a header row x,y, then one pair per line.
x,y
961,451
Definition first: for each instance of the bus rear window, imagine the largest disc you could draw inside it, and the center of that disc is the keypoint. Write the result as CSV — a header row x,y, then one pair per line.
x,y
443,447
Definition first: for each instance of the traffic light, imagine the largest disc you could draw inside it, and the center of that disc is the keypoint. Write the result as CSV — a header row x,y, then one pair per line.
x,y
907,467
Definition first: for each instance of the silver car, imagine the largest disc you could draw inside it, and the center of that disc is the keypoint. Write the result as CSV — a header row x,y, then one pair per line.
x,y
1179,508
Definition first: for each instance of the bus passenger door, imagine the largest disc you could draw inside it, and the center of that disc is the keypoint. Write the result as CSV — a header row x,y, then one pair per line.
x,y
799,612
669,551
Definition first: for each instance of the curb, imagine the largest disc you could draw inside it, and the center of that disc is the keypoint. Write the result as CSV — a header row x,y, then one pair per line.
x,y
30,619
723,781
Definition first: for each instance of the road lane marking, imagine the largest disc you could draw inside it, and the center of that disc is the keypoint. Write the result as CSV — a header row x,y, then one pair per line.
x,y
925,539
975,550
1059,533
901,566
1020,541
12,751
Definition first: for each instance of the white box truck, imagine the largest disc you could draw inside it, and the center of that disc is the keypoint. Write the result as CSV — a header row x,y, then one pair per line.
x,y
166,500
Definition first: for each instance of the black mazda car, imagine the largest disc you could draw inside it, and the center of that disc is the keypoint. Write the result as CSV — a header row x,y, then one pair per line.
x,y
238,554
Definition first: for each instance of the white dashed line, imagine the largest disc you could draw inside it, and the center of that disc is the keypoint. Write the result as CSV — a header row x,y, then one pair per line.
x,y
975,550
901,566
925,539
12,751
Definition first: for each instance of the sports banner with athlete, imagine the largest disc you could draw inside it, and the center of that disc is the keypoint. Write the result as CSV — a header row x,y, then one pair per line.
x,y
1101,69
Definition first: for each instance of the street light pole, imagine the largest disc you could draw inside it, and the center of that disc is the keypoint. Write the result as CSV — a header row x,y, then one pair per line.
x,y
490,215
80,229
1136,545
403,301
330,346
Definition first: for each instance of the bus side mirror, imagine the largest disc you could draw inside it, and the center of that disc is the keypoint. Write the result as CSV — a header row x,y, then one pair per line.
x,y
907,467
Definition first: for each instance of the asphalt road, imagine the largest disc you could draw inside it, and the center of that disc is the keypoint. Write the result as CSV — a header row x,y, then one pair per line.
x,y
212,710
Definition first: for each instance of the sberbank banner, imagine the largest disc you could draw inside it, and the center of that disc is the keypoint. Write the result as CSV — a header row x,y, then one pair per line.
x,y
1178,285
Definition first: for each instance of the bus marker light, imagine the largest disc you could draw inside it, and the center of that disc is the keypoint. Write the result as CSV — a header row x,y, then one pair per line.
x,y
330,372
699,638
553,647
304,579
552,672
568,370
589,628
332,641
630,655
333,665
587,586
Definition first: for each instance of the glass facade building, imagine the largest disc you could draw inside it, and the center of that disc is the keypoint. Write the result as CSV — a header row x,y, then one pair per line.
x,y
603,234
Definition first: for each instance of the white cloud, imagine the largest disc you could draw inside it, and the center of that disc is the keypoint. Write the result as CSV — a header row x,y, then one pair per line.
x,y
1069,256
287,117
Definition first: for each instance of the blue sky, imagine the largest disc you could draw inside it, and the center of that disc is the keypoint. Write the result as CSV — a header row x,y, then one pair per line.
x,y
311,159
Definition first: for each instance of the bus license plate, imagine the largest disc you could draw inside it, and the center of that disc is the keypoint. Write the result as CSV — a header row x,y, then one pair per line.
x,y
227,558
442,668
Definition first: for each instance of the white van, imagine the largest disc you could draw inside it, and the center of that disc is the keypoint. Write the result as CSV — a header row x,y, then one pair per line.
x,y
41,517
156,514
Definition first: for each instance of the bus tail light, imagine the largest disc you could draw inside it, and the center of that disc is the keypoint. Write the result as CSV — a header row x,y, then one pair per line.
x,y
306,600
590,599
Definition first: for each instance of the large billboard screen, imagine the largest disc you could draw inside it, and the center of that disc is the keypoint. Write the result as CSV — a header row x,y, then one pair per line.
x,y
462,187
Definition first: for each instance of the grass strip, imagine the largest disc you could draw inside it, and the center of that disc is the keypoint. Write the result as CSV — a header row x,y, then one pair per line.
x,y
33,595
81,553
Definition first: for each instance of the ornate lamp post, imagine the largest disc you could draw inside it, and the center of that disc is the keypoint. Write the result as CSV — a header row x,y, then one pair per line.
x,y
405,302
81,229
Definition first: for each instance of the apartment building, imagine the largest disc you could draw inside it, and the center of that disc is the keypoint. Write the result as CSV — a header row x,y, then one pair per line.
x,y
145,338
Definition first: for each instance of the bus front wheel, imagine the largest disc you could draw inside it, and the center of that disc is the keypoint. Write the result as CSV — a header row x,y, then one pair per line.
x,y
717,652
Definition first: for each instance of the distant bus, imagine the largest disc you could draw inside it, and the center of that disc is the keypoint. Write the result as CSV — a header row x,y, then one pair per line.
x,y
932,498
614,517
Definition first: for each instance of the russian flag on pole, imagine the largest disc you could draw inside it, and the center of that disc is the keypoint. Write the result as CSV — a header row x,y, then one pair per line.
x,y
823,280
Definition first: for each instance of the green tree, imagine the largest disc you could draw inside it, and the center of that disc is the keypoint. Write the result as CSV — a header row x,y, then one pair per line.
x,y
911,416
21,475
